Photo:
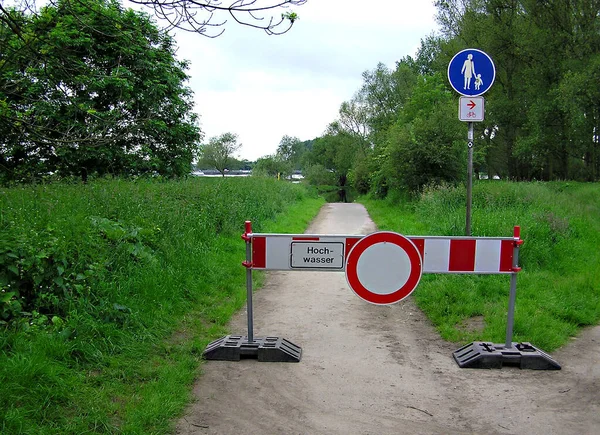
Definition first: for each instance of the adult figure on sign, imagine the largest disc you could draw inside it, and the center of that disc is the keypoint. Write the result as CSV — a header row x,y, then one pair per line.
x,y
468,71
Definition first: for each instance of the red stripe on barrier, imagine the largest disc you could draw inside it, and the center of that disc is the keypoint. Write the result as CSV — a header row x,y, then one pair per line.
x,y
507,248
306,239
462,255
350,242
259,252
420,244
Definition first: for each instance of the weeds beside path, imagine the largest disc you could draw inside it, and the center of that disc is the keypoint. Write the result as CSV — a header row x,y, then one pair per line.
x,y
558,290
111,290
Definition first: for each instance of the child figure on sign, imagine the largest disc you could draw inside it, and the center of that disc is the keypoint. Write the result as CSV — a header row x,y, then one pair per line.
x,y
478,82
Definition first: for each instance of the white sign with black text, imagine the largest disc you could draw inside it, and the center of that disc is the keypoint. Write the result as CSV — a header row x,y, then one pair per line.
x,y
307,255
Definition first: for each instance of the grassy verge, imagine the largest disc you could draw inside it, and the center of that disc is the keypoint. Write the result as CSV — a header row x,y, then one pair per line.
x,y
558,291
111,291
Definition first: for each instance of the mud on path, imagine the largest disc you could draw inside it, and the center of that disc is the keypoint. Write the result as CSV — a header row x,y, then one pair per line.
x,y
369,369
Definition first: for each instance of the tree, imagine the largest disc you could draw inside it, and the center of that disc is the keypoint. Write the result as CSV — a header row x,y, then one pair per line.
x,y
423,146
291,150
219,150
380,99
272,166
334,152
354,118
318,175
368,116
542,108
89,88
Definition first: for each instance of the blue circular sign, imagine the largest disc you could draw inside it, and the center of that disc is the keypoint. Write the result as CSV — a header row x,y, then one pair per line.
x,y
471,72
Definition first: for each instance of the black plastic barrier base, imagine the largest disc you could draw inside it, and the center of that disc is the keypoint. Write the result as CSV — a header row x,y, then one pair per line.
x,y
482,355
265,349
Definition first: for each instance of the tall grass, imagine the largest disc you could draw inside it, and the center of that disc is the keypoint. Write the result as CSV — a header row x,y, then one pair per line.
x,y
558,290
120,286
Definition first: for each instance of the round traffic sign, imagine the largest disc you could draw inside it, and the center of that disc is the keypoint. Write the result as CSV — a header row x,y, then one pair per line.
x,y
383,268
471,72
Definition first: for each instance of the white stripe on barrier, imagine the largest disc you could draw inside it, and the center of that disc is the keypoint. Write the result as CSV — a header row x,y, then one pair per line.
x,y
487,255
278,252
437,255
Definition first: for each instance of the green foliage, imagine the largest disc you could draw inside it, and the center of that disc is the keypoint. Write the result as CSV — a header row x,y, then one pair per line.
x,y
88,88
324,181
272,166
318,175
421,147
558,290
360,175
291,16
540,49
336,153
218,152
384,93
150,274
542,114
398,133
291,152
36,275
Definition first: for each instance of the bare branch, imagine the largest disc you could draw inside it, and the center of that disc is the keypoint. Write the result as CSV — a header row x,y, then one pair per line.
x,y
197,16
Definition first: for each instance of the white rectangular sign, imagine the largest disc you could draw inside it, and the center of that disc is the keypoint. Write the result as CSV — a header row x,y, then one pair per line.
x,y
315,255
471,109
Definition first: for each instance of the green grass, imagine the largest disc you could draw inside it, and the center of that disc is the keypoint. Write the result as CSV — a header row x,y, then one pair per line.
x,y
558,291
121,286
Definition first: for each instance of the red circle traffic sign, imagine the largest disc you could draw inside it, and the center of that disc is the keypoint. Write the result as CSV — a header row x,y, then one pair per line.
x,y
383,268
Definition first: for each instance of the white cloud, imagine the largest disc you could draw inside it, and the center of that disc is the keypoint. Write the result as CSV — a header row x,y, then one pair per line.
x,y
264,87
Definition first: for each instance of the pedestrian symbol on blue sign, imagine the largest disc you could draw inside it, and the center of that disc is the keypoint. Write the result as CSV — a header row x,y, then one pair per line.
x,y
471,72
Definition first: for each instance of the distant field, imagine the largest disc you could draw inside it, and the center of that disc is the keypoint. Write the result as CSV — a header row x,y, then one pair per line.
x,y
558,290
110,292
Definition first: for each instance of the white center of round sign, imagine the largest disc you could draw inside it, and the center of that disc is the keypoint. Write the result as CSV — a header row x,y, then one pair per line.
x,y
383,268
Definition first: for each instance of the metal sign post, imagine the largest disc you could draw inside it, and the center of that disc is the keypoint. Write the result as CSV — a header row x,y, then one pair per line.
x,y
469,179
248,265
471,73
510,321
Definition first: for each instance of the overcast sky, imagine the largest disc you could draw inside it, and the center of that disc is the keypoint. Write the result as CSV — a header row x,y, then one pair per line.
x,y
263,87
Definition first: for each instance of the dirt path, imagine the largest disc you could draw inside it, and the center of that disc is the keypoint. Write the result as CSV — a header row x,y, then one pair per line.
x,y
369,369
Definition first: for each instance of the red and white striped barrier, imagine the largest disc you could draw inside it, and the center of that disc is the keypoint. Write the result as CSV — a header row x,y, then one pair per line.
x,y
382,268
475,255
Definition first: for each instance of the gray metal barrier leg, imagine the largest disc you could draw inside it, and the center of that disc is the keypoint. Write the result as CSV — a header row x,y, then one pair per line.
x,y
237,347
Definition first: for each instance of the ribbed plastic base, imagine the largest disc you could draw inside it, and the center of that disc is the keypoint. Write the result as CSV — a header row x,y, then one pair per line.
x,y
482,355
264,349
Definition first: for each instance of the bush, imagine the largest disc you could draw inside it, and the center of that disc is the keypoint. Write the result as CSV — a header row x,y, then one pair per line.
x,y
59,243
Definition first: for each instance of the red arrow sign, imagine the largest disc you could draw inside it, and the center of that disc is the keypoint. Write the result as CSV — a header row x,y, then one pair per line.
x,y
470,109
